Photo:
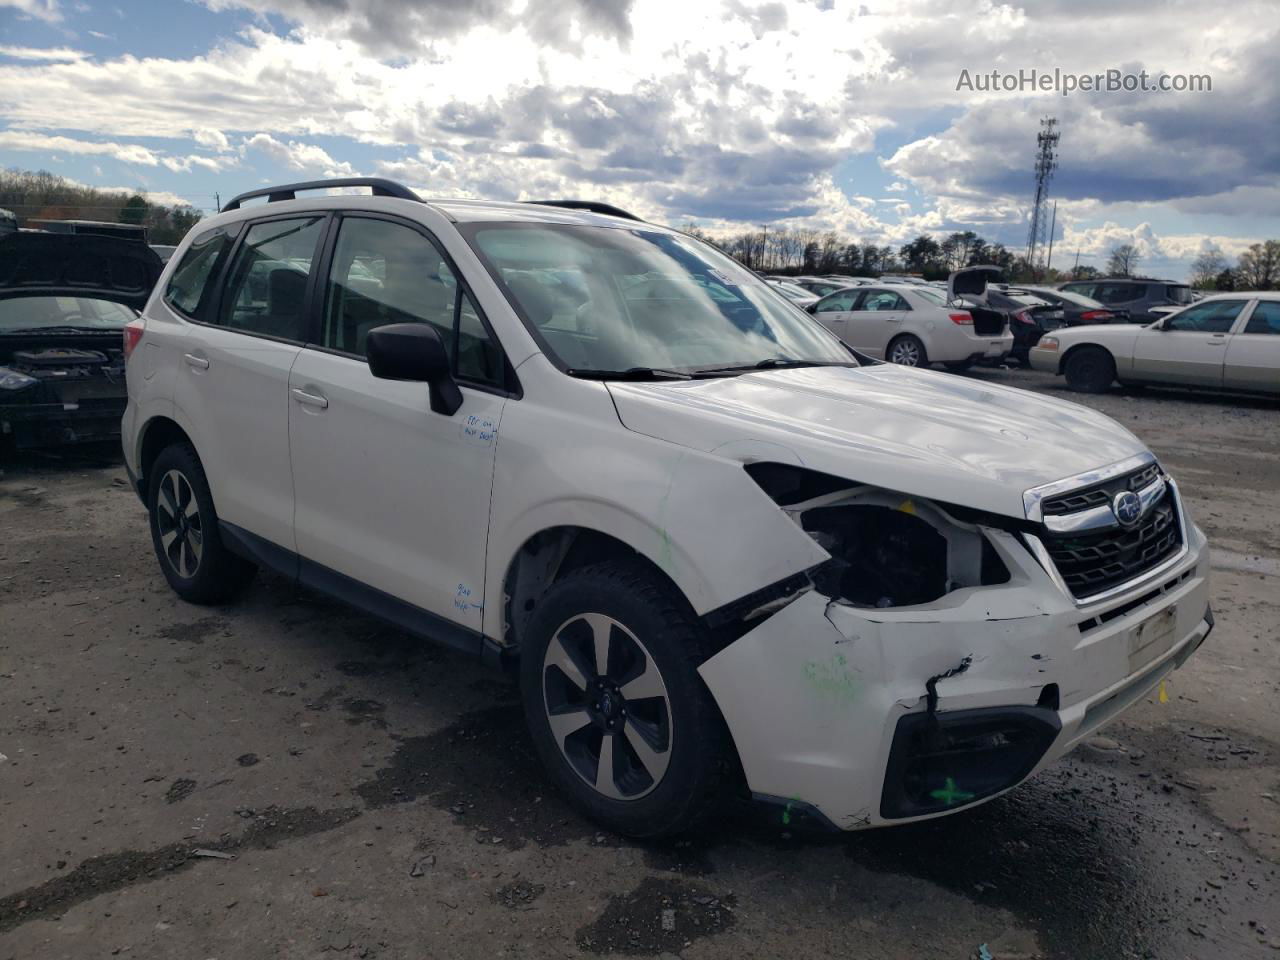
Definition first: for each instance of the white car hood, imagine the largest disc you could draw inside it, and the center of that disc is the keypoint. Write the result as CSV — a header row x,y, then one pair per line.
x,y
932,435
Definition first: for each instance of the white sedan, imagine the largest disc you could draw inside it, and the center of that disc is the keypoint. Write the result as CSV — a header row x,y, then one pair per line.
x,y
917,325
1229,341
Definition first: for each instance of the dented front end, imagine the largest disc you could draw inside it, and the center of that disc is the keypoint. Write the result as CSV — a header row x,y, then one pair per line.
x,y
933,662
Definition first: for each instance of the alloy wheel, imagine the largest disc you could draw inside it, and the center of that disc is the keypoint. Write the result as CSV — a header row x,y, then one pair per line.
x,y
180,524
607,706
906,353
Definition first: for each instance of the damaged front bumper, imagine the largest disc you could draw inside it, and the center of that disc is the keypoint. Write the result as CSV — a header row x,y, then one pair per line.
x,y
828,706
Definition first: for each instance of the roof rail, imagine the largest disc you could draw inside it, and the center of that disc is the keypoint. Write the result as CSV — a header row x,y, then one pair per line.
x,y
590,206
287,191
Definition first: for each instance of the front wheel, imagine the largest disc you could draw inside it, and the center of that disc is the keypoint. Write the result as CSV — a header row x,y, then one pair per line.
x,y
908,351
184,530
1090,370
617,712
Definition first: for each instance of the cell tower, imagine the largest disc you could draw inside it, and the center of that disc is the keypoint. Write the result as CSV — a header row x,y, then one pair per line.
x,y
1046,163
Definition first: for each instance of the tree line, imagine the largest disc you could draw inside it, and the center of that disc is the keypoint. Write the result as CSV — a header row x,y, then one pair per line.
x,y
787,251
800,252
42,195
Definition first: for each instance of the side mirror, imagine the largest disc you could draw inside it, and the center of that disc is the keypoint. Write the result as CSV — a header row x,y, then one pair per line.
x,y
415,352
811,307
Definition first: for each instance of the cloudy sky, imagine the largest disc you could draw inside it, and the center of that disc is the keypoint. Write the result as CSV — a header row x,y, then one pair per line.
x,y
824,113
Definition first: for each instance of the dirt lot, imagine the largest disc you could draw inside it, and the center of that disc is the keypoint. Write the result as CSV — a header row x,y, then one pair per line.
x,y
284,778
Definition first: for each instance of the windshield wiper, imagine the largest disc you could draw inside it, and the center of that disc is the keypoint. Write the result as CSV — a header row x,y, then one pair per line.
x,y
60,328
631,373
775,363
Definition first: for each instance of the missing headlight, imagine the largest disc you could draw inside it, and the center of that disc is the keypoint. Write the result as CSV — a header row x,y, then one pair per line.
x,y
887,549
880,557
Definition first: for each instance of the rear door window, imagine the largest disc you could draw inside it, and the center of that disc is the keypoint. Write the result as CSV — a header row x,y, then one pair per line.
x,y
266,289
187,284
883,300
1120,292
1265,318
1214,316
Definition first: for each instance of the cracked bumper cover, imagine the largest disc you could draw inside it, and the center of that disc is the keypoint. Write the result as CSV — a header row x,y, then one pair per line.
x,y
816,694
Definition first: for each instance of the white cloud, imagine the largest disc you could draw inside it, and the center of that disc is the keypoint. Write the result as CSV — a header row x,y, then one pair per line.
x,y
46,10
125,152
729,111
299,156
42,53
212,139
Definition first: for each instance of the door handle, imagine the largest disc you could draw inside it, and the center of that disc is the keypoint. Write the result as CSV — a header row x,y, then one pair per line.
x,y
310,399
1217,341
199,363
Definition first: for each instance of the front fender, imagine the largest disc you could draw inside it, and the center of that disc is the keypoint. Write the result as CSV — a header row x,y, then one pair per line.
x,y
697,516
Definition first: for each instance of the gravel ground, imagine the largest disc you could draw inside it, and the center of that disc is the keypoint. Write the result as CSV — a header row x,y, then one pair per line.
x,y
283,777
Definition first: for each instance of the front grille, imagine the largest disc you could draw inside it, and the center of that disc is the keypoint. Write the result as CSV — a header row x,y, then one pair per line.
x,y
1094,562
1099,494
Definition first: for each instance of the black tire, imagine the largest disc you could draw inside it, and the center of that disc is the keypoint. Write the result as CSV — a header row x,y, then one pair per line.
x,y
1090,370
191,554
907,350
682,725
959,366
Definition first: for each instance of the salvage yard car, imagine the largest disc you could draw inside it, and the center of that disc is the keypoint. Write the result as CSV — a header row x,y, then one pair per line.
x,y
1227,341
64,303
714,541
916,325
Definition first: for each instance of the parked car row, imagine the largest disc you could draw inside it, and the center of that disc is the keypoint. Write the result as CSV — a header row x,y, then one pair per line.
x,y
1226,341
916,325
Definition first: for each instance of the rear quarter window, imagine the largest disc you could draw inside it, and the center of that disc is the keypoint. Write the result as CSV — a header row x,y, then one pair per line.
x,y
187,284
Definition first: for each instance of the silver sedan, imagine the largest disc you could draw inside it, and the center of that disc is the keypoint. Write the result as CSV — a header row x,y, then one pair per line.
x,y
913,325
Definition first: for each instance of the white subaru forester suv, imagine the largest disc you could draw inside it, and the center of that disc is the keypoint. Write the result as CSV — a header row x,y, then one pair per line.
x,y
717,543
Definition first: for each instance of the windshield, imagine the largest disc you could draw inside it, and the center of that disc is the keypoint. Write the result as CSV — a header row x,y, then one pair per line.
x,y
607,299
23,313
793,291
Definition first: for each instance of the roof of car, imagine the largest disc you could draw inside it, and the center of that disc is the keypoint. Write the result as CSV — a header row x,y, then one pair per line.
x,y
387,194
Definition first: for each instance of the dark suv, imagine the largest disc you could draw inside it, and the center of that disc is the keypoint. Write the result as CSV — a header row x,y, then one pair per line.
x,y
1136,296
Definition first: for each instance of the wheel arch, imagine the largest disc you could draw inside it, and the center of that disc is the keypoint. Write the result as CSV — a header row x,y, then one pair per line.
x,y
1077,347
546,557
158,433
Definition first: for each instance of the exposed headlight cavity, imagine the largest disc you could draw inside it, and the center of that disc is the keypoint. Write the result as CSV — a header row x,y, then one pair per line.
x,y
887,549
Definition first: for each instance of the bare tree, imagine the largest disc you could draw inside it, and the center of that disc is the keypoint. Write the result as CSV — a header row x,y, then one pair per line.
x,y
1259,267
1123,260
1206,267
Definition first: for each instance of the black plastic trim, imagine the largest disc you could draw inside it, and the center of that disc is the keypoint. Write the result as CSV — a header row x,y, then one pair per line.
x,y
930,748
287,191
796,813
591,206
400,613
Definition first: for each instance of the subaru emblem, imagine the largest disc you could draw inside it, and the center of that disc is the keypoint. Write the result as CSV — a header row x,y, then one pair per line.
x,y
1127,507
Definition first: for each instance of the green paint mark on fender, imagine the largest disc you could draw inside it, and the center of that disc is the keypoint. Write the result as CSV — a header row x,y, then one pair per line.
x,y
833,679
950,794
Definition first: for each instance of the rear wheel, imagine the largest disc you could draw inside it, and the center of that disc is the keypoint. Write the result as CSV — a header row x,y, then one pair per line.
x,y
618,714
907,350
184,530
1090,370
